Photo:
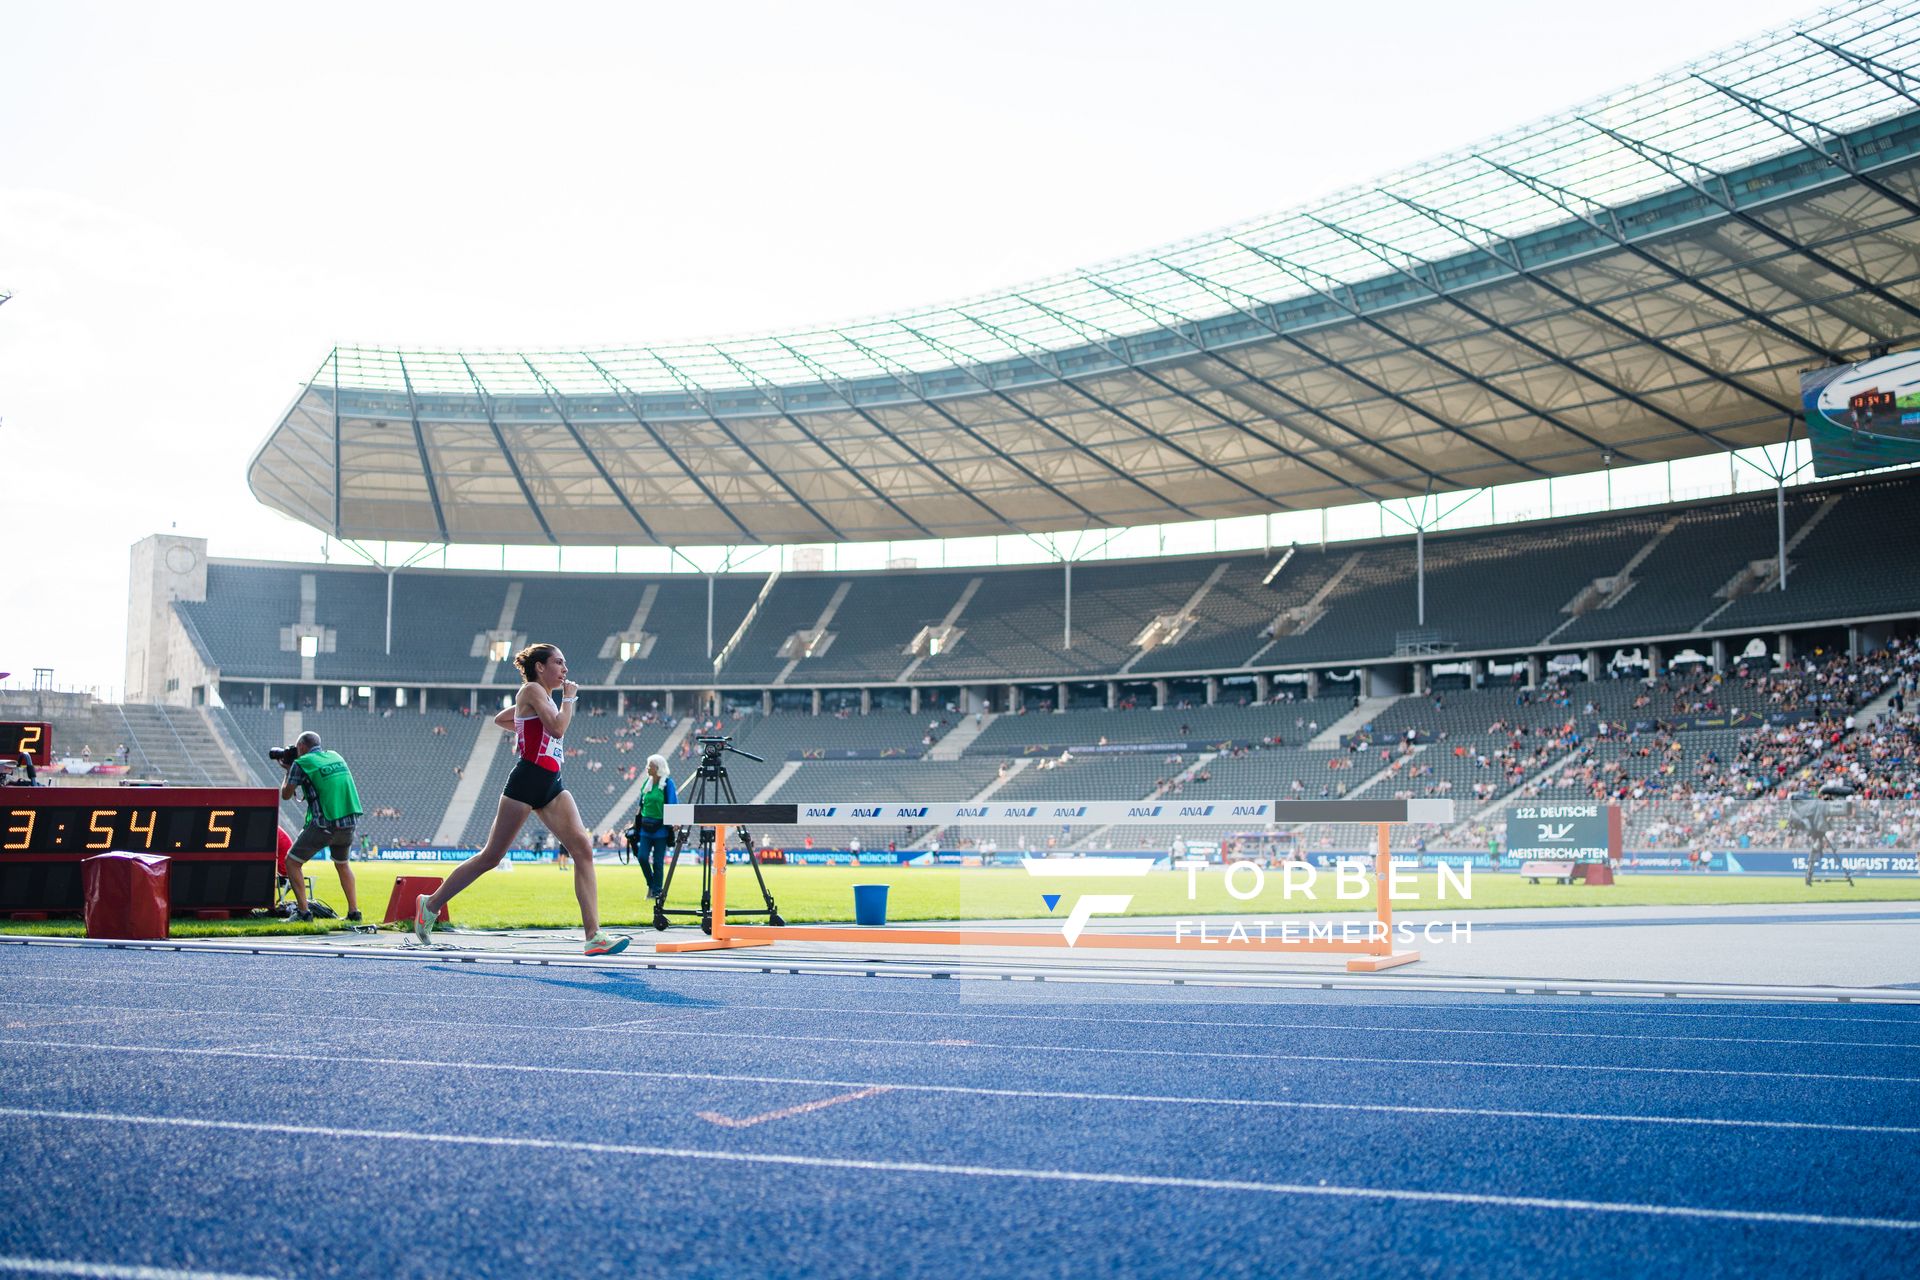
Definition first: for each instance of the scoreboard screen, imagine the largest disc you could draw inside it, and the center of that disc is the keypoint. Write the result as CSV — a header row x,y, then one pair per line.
x,y
1578,831
33,738
222,842
1863,415
135,828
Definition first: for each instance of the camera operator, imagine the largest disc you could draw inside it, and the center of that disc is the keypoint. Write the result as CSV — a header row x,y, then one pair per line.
x,y
333,802
651,835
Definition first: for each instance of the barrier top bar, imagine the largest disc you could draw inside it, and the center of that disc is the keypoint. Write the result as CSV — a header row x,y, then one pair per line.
x,y
1055,813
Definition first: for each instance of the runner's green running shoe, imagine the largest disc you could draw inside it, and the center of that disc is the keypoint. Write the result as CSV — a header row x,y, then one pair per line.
x,y
423,918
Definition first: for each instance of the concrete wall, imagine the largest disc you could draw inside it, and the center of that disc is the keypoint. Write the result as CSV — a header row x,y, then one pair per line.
x,y
162,665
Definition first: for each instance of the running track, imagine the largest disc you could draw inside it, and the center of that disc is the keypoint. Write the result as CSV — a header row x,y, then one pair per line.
x,y
166,1114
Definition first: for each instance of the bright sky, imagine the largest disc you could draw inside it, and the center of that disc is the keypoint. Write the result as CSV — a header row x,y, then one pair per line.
x,y
198,201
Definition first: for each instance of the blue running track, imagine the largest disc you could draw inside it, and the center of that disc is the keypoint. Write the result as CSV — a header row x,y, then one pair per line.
x,y
165,1115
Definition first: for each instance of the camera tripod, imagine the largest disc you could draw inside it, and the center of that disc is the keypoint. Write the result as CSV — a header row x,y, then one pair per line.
x,y
710,783
1821,851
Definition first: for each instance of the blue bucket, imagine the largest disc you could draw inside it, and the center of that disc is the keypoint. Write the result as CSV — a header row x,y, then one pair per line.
x,y
870,904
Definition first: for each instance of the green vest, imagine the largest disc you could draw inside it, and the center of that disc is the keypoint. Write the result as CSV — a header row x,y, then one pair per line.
x,y
327,787
653,799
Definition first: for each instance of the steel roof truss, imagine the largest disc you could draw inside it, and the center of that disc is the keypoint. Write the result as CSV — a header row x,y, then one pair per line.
x,y
1014,344
770,394
887,363
1107,345
1715,189
965,364
499,438
1441,290
633,407
1831,145
1484,240
700,397
1233,298
1607,223
420,443
1413,346
556,400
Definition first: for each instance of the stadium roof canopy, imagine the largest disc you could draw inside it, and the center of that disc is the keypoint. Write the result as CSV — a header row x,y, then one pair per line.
x,y
1640,279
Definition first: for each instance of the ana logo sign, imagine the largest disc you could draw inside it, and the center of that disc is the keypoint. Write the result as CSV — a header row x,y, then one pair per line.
x,y
872,812
1070,811
971,811
1145,811
1019,811
1249,810
1195,810
905,812
816,811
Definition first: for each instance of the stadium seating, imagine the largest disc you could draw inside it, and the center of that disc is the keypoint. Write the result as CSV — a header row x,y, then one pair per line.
x,y
1852,564
1506,589
877,622
1288,721
402,763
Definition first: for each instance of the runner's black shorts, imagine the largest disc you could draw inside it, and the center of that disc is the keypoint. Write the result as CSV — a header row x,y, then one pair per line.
x,y
532,785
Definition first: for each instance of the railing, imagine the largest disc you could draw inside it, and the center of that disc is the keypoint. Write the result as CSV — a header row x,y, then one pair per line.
x,y
186,752
726,650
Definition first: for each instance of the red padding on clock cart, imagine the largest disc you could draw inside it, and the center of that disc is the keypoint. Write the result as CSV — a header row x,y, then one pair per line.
x,y
125,895
405,890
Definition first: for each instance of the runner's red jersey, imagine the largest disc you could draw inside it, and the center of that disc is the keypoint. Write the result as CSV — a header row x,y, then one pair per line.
x,y
532,742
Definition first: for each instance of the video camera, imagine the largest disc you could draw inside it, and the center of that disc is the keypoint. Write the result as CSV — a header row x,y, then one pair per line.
x,y
1811,812
711,746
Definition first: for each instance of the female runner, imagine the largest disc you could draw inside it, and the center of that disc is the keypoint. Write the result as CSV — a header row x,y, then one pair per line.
x,y
539,720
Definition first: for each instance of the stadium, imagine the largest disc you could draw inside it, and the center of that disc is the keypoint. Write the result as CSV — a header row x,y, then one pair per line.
x,y
1637,761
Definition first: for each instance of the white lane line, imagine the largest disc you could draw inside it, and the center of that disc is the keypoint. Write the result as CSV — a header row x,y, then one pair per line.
x,y
708,1033
110,1270
1503,1010
1588,1009
845,965
1098,1178
1131,1021
804,1108
1642,1037
980,1091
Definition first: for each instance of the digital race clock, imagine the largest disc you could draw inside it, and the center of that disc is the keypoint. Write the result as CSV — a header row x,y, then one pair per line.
x,y
221,842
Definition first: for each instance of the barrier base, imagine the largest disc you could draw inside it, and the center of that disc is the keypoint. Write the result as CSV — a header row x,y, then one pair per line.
x,y
1374,964
708,944
406,889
